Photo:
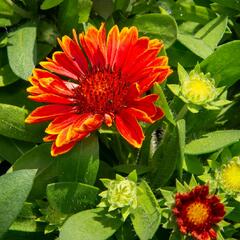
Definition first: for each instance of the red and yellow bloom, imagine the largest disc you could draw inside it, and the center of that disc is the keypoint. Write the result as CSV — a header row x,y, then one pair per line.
x,y
97,79
197,212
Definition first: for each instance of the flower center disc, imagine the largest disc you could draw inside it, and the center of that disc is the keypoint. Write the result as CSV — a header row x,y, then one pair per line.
x,y
197,213
231,177
102,91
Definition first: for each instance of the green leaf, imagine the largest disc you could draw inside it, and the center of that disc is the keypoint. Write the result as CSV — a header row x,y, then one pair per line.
x,y
146,218
73,12
69,197
6,9
193,165
103,7
212,141
178,53
196,45
80,164
213,32
181,127
125,232
12,149
22,50
224,63
206,39
85,10
39,157
8,16
182,74
121,4
145,151
164,160
234,4
157,26
162,102
189,12
175,88
47,4
16,94
12,124
7,76
90,224
14,190
34,158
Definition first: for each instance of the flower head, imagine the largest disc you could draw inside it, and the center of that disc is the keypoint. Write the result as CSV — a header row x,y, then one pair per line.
x,y
198,90
229,176
96,79
120,194
197,212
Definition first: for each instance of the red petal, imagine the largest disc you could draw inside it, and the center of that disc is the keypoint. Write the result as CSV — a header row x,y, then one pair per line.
x,y
159,114
52,98
128,37
34,90
58,65
146,104
74,53
112,45
60,123
48,112
55,151
137,49
140,115
59,87
92,51
88,122
129,128
212,233
50,138
68,135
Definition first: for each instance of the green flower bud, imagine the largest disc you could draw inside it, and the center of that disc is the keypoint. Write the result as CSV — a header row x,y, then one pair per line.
x,y
120,194
229,176
199,89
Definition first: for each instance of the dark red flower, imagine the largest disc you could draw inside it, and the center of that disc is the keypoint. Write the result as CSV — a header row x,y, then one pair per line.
x,y
105,79
197,212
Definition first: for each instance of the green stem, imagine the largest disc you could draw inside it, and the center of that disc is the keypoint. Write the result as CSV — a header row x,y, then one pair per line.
x,y
18,10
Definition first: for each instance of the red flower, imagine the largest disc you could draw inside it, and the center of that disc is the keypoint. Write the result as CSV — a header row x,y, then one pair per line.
x,y
197,211
107,77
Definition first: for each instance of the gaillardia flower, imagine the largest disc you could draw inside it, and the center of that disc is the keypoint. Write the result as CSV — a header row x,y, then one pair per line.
x,y
98,79
197,212
229,177
198,90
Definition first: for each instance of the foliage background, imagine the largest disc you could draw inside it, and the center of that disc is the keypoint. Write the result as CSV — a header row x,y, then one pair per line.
x,y
200,31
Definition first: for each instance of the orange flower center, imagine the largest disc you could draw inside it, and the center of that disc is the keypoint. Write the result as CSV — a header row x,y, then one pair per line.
x,y
197,213
102,91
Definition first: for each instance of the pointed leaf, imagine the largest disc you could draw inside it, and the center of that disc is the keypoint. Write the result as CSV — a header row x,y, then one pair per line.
x,y
212,141
22,50
224,63
81,163
14,190
146,218
12,124
157,26
89,224
69,197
